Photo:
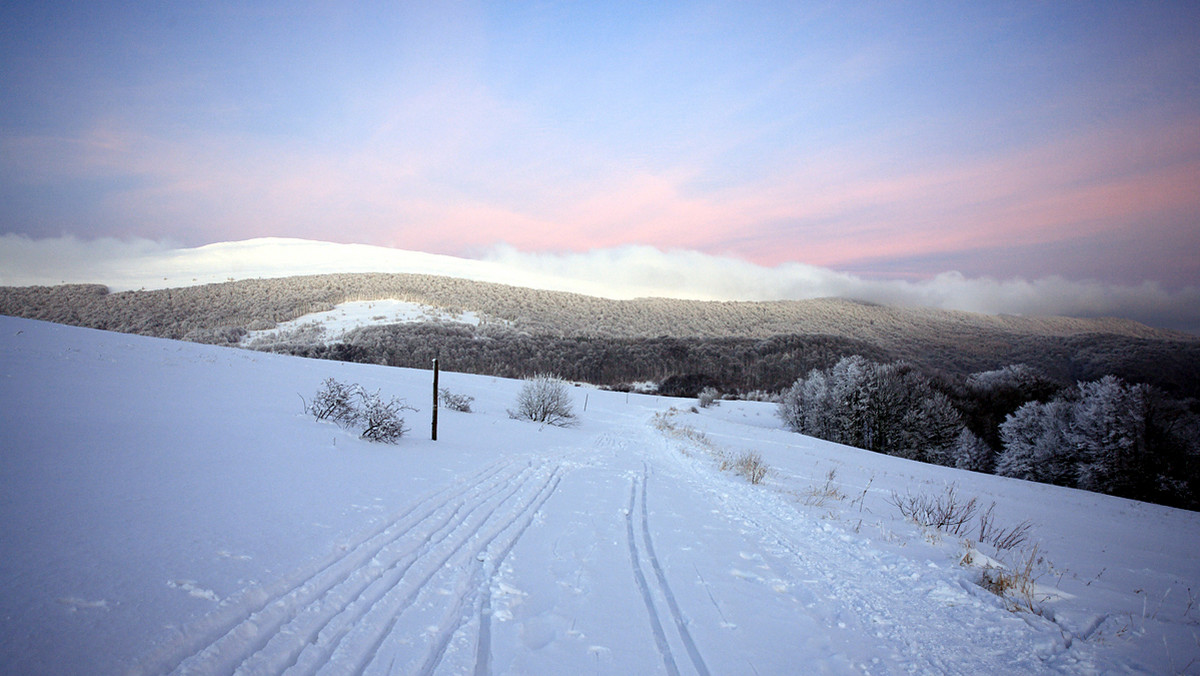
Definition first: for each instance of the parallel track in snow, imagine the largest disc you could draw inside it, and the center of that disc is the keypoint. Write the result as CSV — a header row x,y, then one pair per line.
x,y
664,588
379,597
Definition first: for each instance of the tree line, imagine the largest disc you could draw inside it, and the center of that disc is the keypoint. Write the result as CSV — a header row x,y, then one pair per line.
x,y
959,343
1107,435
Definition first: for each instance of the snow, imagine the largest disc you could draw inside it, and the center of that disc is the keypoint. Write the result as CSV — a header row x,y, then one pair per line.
x,y
346,317
167,507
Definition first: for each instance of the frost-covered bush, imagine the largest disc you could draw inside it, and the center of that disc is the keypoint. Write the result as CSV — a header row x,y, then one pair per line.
x,y
335,401
381,419
350,406
708,397
455,402
544,398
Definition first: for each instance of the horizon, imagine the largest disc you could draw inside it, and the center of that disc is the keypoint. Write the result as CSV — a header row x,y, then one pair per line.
x,y
1030,157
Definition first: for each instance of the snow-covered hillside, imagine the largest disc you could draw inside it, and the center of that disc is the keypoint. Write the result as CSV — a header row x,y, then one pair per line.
x,y
168,507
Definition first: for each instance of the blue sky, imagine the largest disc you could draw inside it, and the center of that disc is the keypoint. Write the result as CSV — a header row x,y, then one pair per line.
x,y
884,140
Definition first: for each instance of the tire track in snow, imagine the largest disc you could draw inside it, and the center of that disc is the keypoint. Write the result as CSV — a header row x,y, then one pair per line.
x,y
218,642
464,565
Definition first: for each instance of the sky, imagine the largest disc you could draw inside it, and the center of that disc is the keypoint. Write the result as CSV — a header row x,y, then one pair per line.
x,y
1053,144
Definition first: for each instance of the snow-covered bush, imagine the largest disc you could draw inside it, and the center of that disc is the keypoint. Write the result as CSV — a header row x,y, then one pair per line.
x,y
544,398
350,406
381,419
708,397
335,401
455,402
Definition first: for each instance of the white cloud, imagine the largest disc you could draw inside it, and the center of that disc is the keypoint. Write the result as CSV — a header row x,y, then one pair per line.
x,y
624,272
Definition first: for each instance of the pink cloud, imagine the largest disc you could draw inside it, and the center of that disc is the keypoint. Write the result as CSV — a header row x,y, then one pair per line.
x,y
842,208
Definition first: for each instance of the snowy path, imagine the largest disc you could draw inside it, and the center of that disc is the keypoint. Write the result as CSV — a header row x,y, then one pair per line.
x,y
587,558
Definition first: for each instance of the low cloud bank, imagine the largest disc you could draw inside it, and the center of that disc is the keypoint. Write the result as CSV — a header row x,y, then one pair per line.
x,y
625,272
645,271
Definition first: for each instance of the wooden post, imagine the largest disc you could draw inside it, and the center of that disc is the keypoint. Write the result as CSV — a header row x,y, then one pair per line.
x,y
435,399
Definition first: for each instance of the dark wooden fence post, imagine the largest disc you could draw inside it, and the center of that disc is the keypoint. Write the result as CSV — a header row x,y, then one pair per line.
x,y
435,398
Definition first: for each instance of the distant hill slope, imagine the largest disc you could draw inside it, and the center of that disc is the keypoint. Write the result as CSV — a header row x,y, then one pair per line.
x,y
955,342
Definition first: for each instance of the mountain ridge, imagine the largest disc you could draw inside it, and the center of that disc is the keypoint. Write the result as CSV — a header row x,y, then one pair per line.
x,y
955,341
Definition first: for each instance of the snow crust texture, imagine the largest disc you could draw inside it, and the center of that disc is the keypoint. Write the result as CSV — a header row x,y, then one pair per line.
x,y
168,508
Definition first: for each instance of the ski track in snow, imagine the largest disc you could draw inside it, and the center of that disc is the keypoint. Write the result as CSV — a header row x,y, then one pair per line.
x,y
664,587
418,588
379,592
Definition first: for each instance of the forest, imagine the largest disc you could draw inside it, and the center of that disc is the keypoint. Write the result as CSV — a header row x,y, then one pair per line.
x,y
544,323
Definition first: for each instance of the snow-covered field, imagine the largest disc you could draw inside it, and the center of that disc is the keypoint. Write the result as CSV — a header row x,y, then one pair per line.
x,y
168,507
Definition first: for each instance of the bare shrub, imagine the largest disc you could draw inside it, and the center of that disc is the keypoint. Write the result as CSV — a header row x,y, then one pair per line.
x,y
999,537
948,513
545,399
751,466
1016,585
455,402
708,397
335,401
818,495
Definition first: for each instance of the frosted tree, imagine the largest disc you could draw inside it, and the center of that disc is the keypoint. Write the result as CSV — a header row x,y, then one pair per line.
x,y
1036,444
849,390
1109,430
930,427
805,406
971,452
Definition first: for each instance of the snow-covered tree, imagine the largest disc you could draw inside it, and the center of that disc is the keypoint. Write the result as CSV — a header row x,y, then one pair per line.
x,y
930,427
1036,444
1109,432
971,452
806,406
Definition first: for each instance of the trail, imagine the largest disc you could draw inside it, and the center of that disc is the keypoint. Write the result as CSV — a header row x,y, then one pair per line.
x,y
536,561
339,616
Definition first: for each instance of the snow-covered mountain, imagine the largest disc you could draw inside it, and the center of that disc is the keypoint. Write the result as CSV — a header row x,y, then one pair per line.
x,y
168,507
618,273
